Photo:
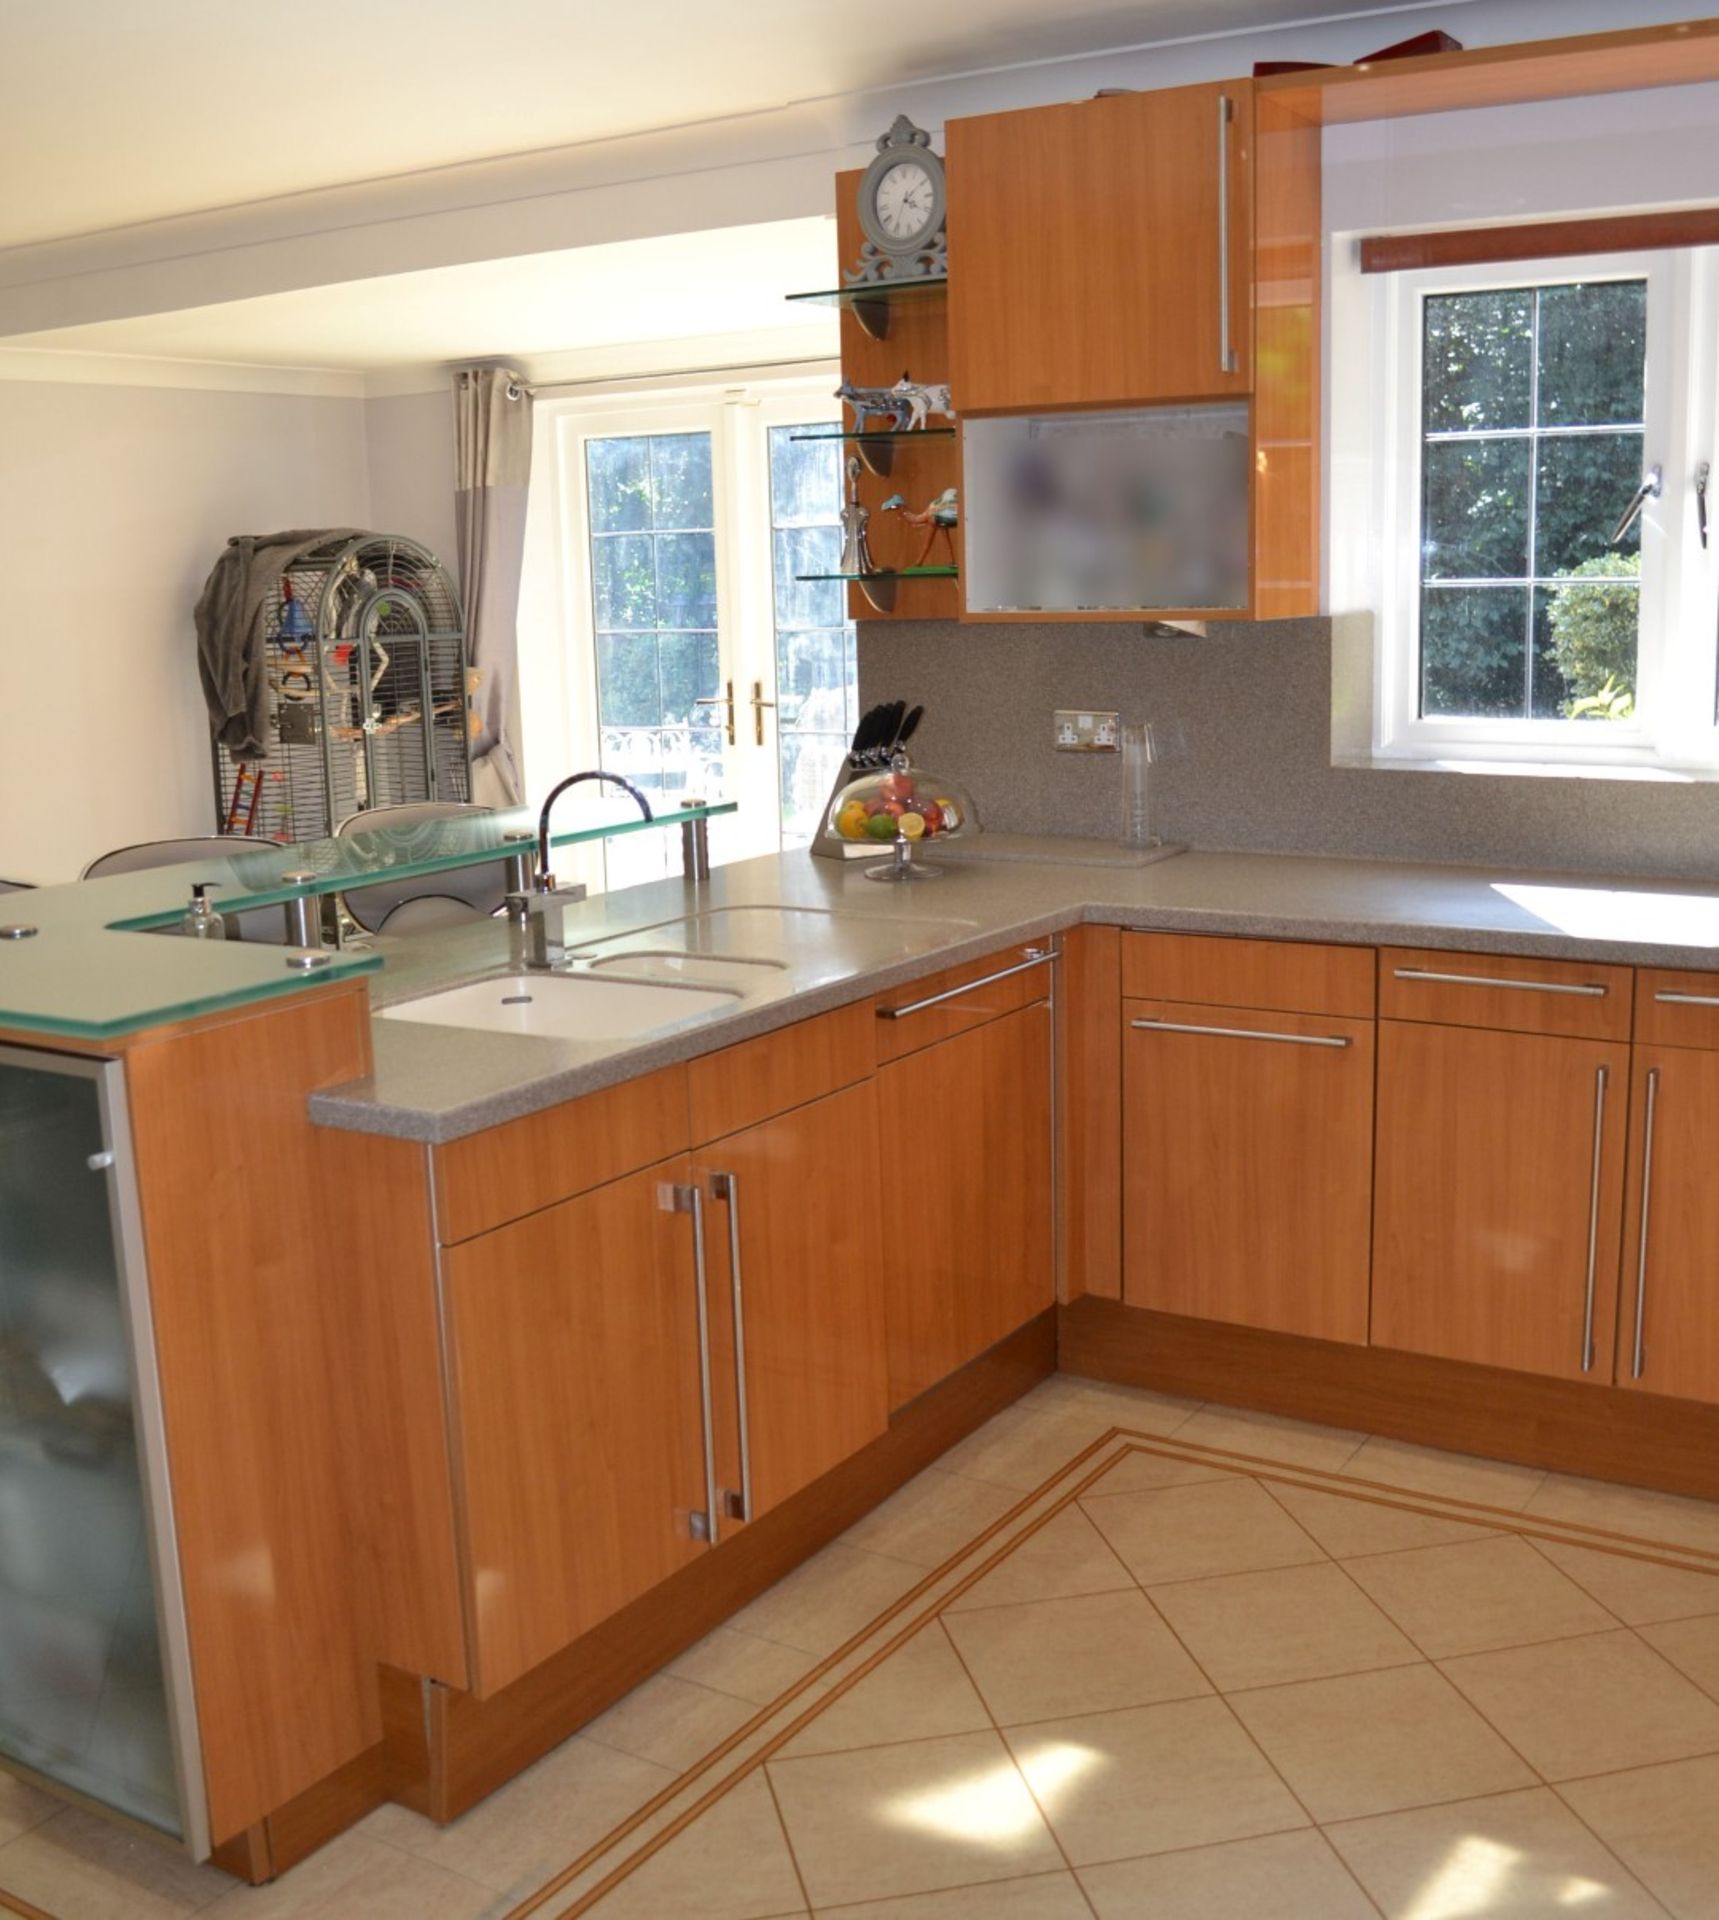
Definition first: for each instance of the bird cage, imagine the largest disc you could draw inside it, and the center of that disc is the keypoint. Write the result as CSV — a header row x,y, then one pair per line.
x,y
368,692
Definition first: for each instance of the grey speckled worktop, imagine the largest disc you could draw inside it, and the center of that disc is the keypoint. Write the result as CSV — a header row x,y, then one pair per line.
x,y
437,1083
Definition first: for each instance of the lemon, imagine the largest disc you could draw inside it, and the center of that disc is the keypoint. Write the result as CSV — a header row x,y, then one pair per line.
x,y
912,825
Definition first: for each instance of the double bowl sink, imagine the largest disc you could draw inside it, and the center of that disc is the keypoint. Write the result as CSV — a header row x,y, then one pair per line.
x,y
626,985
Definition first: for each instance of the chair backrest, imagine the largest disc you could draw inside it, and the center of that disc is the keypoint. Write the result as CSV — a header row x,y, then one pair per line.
x,y
265,924
428,900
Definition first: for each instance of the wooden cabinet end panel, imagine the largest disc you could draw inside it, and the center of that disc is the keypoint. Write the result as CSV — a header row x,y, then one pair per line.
x,y
250,1323
1507,991
511,1170
1247,1166
1295,976
748,1082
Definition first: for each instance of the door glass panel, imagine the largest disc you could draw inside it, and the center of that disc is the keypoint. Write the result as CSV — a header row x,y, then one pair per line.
x,y
82,1698
817,678
653,595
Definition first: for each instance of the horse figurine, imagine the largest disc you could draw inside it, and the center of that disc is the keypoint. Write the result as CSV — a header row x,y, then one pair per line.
x,y
939,516
905,407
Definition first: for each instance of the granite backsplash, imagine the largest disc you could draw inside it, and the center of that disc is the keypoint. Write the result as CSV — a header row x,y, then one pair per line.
x,y
1244,717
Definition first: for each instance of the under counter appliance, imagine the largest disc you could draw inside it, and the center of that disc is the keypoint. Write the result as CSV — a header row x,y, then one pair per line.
x,y
95,1677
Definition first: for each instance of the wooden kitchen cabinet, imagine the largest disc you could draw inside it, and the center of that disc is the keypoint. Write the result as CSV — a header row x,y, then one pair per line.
x,y
573,1357
793,1219
1499,1193
1100,253
1247,1162
1671,1226
961,1185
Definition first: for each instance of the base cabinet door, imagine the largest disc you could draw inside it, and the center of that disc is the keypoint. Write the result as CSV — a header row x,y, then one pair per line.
x,y
1668,1332
961,1184
793,1221
573,1349
1247,1166
1499,1197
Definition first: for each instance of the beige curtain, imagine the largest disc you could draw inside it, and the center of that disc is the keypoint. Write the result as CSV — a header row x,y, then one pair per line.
x,y
492,437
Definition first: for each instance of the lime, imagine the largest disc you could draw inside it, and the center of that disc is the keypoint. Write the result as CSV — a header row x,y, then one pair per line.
x,y
881,827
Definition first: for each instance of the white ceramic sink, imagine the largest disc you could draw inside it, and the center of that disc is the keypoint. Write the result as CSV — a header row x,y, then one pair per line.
x,y
560,1006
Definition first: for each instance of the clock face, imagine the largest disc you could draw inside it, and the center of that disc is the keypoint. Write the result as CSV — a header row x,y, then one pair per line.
x,y
905,200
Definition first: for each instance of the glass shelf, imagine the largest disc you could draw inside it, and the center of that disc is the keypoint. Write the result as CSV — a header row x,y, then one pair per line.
x,y
879,587
877,447
871,302
71,963
260,878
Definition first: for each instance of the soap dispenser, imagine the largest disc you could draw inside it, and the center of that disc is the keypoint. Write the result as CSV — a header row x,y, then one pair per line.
x,y
200,921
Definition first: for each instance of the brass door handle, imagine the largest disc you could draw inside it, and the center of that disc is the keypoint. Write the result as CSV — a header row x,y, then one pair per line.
x,y
723,699
758,703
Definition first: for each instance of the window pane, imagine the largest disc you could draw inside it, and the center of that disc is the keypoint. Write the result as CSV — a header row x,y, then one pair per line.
x,y
1478,361
1593,344
627,692
808,603
1474,651
805,477
623,580
1586,480
689,669
680,480
1587,632
1474,507
816,677
618,475
686,579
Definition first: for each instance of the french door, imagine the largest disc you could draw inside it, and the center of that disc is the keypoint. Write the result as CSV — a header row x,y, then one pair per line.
x,y
692,658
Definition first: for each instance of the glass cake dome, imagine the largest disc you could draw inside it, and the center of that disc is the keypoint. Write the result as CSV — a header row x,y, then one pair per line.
x,y
903,809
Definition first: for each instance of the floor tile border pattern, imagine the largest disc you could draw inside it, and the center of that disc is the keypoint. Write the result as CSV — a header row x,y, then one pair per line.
x,y
661,1819
759,1740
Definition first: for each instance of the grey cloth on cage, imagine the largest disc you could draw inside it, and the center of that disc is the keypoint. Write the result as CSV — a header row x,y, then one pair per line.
x,y
232,660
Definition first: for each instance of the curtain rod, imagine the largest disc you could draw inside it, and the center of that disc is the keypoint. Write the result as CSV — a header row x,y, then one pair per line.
x,y
686,374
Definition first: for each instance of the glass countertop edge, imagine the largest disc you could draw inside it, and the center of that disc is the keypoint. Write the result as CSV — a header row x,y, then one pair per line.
x,y
64,1027
291,854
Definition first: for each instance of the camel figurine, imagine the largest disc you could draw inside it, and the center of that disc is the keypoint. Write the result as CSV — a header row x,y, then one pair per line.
x,y
938,516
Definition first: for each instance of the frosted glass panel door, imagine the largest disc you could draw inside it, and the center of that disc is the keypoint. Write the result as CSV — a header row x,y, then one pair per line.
x,y
83,1695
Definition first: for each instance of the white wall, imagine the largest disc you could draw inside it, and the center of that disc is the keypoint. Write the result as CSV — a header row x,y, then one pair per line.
x,y
409,453
114,503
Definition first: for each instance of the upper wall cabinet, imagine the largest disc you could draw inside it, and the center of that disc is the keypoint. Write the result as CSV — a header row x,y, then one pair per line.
x,y
1101,253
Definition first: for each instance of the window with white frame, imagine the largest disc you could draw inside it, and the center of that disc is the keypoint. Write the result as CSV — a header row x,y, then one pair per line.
x,y
694,657
1545,594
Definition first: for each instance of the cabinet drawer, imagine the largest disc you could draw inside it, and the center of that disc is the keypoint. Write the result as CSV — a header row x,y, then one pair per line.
x,y
1676,1009
962,998
1282,975
747,1083
506,1171
1506,992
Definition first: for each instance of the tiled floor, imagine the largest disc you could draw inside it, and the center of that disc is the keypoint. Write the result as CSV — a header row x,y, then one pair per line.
x,y
1222,1667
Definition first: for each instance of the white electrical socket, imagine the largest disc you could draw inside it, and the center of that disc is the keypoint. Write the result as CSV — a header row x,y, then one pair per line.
x,y
1091,731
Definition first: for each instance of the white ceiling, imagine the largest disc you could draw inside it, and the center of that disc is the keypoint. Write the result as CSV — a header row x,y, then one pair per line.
x,y
114,112
719,282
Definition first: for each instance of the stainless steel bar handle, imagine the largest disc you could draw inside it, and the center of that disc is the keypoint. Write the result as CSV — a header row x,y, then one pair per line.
x,y
1226,352
1687,999
677,1199
1588,990
1601,1076
1638,1355
1037,957
726,1188
1246,1033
